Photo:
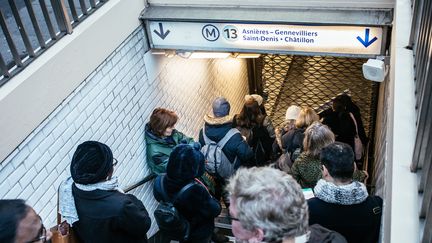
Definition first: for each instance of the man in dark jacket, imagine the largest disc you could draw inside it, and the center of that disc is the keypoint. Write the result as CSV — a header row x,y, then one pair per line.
x,y
217,125
236,149
94,203
342,204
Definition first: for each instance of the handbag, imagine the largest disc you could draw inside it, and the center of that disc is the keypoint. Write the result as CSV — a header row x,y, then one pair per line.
x,y
284,162
358,145
62,232
170,221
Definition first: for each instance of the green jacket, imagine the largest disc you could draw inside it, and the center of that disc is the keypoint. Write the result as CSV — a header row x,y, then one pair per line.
x,y
307,171
158,149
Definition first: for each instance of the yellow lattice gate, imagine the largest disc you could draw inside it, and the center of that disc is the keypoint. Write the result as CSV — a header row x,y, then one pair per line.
x,y
313,81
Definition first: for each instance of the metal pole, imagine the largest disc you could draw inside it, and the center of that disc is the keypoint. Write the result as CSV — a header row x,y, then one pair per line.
x,y
47,19
3,67
35,23
62,16
10,41
22,29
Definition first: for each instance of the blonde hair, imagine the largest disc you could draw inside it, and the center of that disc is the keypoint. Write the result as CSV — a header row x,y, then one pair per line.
x,y
306,117
317,136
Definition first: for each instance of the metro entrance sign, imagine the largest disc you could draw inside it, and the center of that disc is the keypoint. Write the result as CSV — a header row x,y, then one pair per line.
x,y
266,37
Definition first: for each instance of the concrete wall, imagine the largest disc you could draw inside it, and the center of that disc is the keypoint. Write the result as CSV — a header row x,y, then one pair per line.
x,y
112,105
401,213
381,168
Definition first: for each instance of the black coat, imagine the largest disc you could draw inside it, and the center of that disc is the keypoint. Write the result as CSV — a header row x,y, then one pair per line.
x,y
293,139
342,125
110,216
358,223
195,204
235,147
330,119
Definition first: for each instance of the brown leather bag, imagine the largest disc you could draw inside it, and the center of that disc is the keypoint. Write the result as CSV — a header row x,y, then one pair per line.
x,y
62,232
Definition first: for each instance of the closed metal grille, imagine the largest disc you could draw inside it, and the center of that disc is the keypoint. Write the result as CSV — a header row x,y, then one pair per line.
x,y
314,81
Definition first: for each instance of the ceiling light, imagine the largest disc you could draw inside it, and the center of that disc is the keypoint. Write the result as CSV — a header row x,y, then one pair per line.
x,y
248,55
210,55
157,52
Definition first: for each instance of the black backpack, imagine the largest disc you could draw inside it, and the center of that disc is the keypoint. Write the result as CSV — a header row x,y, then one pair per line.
x,y
296,147
261,144
171,223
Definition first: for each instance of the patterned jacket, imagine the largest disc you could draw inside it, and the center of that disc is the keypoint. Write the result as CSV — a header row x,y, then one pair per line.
x,y
307,171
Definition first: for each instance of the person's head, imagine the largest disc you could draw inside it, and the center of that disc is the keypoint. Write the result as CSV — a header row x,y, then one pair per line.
x,y
267,205
346,99
221,107
186,162
338,162
306,117
291,116
258,98
340,103
250,115
346,103
92,162
317,136
162,122
19,223
292,113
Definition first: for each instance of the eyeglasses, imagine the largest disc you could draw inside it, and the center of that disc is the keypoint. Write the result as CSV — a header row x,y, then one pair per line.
x,y
42,235
232,218
115,161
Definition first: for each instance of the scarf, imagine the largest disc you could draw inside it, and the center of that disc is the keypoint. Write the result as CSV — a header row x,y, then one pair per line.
x,y
67,202
353,193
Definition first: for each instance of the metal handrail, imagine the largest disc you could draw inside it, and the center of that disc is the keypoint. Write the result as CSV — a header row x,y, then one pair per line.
x,y
140,183
66,15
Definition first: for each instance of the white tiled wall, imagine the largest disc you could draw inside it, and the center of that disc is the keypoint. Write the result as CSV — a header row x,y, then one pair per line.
x,y
112,106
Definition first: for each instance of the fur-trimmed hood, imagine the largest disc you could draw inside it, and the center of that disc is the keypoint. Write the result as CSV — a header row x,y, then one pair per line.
x,y
211,120
353,193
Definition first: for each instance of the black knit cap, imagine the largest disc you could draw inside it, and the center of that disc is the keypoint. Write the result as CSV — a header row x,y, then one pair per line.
x,y
185,162
91,162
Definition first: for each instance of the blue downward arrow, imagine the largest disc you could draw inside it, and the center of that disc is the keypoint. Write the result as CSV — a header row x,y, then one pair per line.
x,y
366,41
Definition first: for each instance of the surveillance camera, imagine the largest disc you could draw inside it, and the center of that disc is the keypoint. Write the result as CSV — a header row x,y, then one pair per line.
x,y
374,70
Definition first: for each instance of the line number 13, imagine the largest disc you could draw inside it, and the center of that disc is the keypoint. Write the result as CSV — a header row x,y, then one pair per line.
x,y
230,32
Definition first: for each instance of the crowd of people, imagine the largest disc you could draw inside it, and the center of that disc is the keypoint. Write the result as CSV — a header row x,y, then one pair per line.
x,y
258,173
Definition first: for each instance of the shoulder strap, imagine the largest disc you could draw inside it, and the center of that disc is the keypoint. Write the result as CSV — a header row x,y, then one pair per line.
x,y
355,122
164,194
227,137
206,139
189,185
161,184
